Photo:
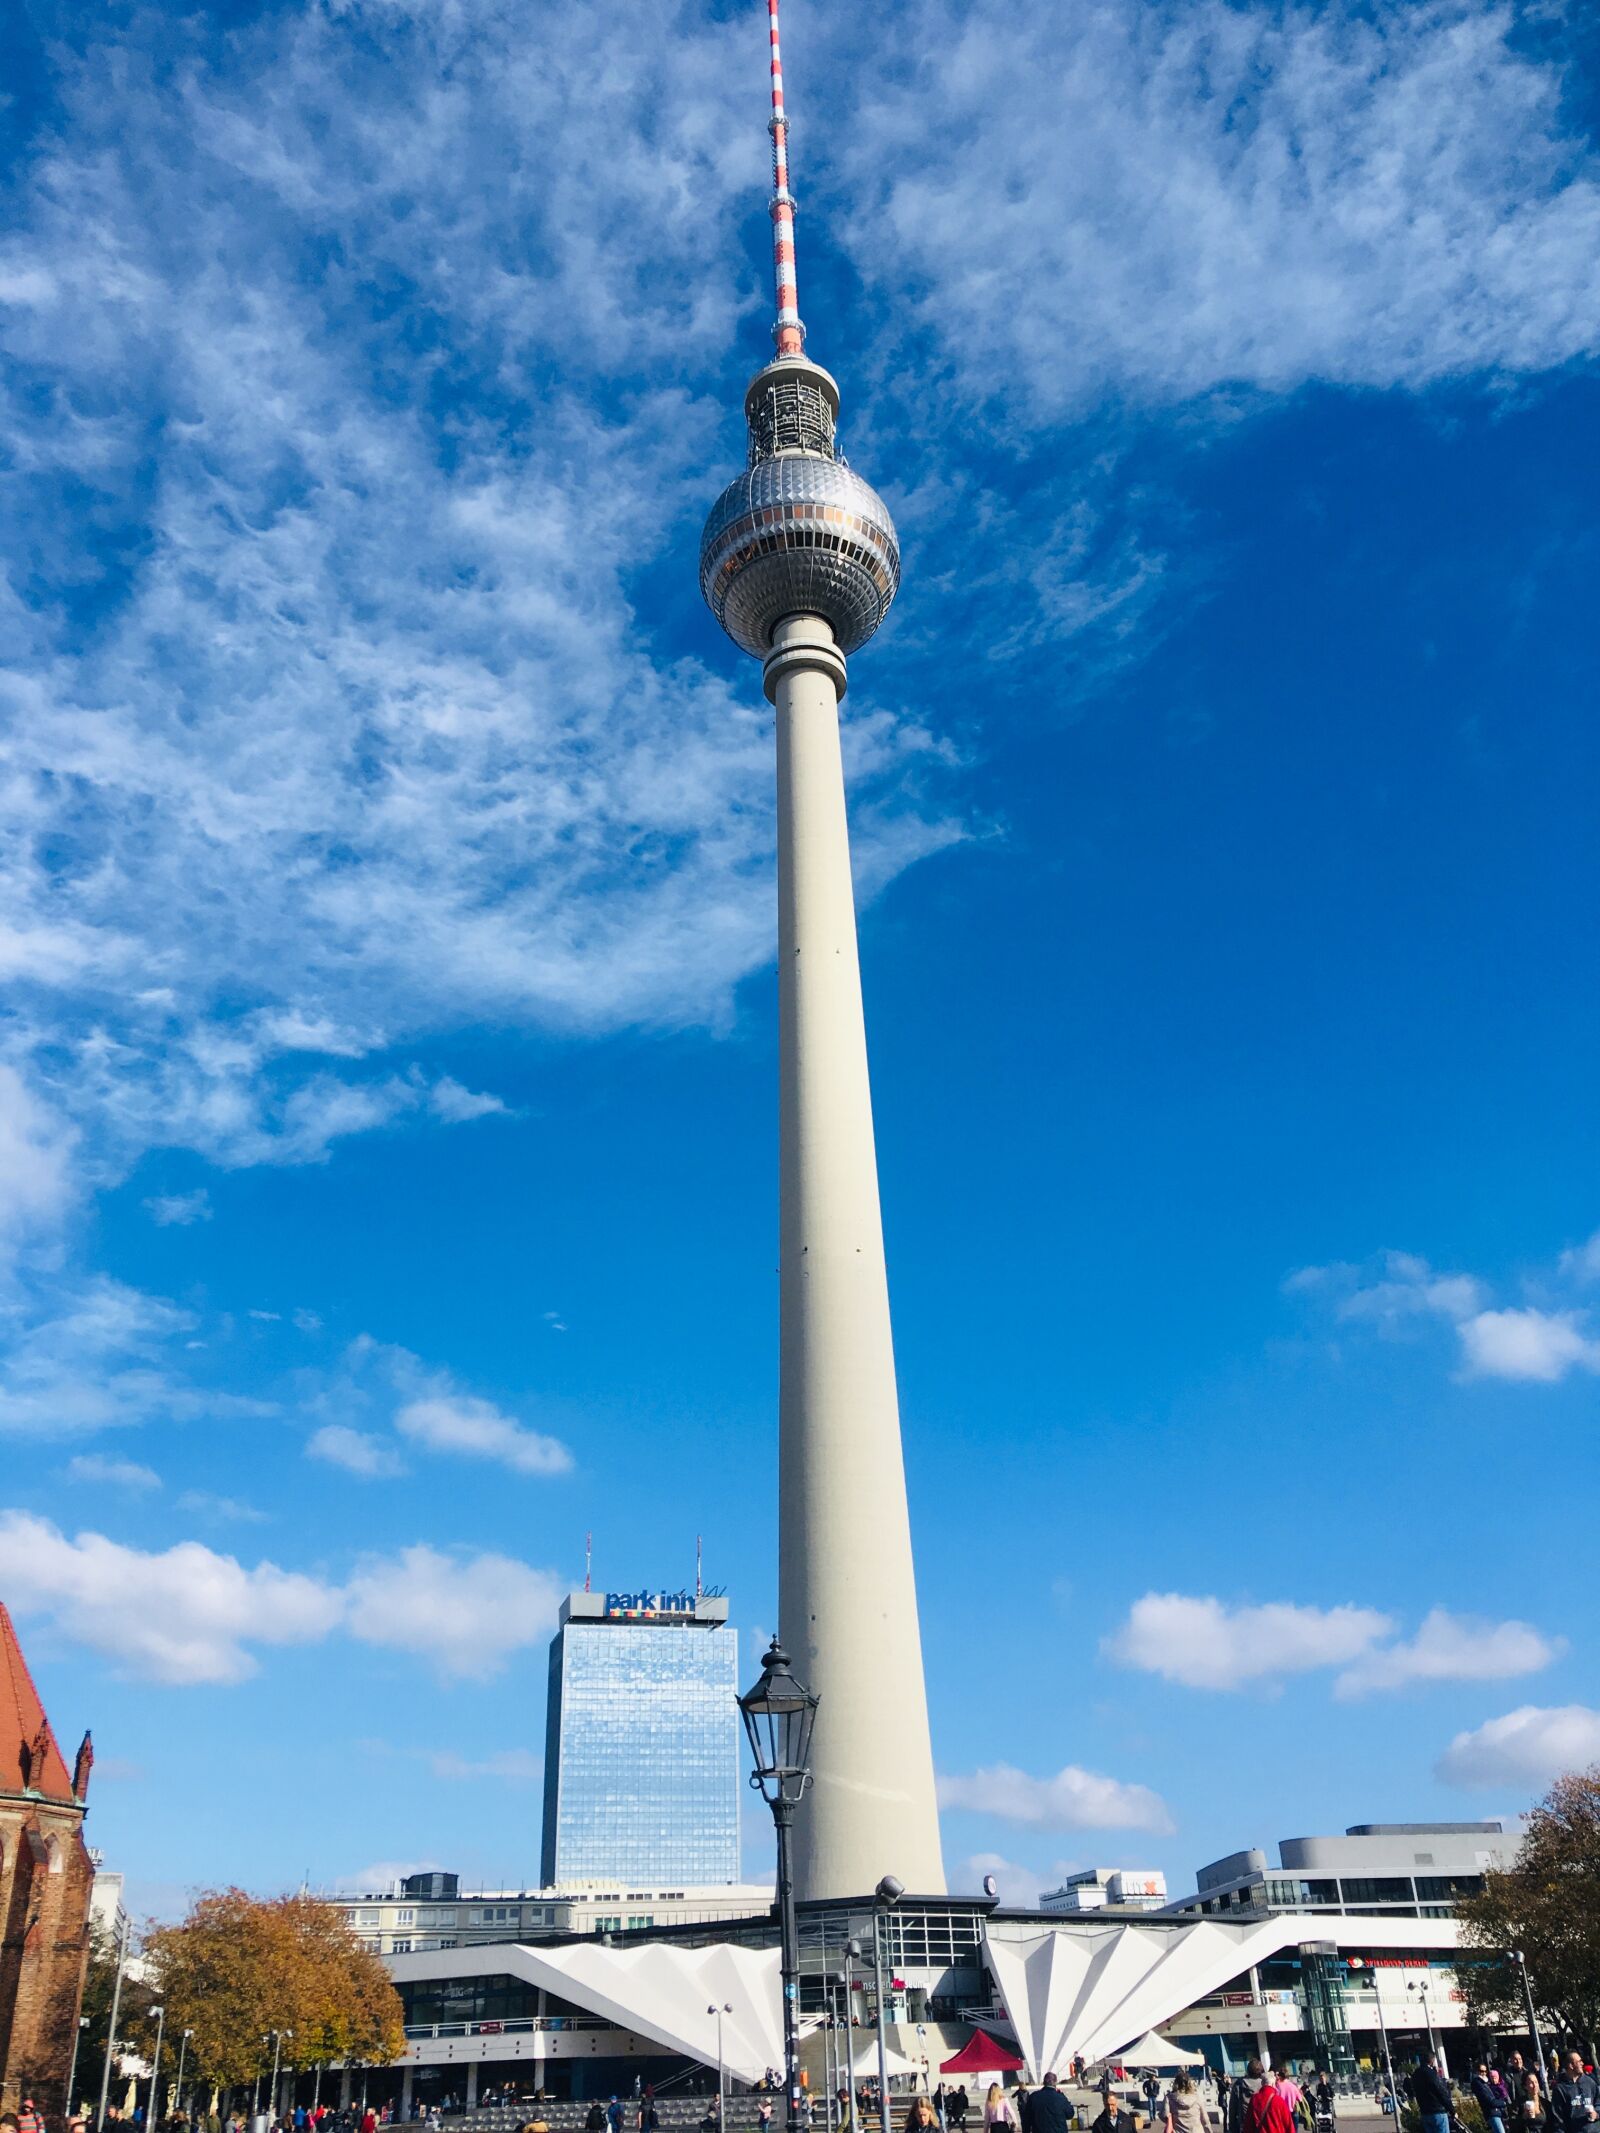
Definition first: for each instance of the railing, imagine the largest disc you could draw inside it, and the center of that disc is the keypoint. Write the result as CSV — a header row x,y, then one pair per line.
x,y
512,2025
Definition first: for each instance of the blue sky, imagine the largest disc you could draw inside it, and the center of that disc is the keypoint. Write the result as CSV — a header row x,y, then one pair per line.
x,y
387,1070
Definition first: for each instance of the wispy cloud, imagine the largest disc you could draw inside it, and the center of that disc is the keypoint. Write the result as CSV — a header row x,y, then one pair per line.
x,y
1071,1799
99,1355
358,1451
1535,1343
476,1429
179,1209
1146,205
112,1473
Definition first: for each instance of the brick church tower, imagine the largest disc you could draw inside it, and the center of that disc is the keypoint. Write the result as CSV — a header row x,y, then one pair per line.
x,y
45,1880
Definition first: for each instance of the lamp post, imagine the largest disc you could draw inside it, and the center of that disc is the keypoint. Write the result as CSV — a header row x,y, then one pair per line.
x,y
1521,1962
1388,2063
111,2027
183,2054
1434,2051
779,1713
278,2036
72,2069
853,1952
160,2014
887,1892
722,2101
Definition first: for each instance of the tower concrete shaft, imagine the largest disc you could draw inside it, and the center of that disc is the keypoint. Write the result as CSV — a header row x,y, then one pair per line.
x,y
847,1592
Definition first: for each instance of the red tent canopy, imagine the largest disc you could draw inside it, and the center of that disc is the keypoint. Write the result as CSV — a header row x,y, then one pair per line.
x,y
981,2055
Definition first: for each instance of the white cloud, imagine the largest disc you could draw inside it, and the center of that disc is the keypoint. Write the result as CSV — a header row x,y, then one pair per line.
x,y
478,1430
225,1510
465,1614
1206,1644
1526,1748
1451,1647
112,1473
371,739
98,1355
356,1450
36,1149
453,1103
179,1209
1404,1288
1021,1885
1526,1343
1072,1799
184,1615
1581,1263
1533,1346
187,1615
1152,205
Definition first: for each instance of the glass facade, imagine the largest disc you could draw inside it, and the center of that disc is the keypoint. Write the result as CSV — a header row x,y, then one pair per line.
x,y
642,1754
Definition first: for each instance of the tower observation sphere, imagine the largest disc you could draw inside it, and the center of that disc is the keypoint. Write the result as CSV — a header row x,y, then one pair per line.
x,y
798,532
799,563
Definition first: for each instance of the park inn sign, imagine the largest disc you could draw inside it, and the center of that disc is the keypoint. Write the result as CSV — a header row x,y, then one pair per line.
x,y
649,1606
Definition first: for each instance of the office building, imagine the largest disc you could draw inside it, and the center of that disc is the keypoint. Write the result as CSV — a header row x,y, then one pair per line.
x,y
422,1913
1375,1870
642,1744
1098,1888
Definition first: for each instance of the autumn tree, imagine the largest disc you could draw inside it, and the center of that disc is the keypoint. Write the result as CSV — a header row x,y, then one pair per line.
x,y
237,1969
1546,1905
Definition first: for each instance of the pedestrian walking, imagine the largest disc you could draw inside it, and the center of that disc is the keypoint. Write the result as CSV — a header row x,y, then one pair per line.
x,y
1186,2108
997,2109
1532,2111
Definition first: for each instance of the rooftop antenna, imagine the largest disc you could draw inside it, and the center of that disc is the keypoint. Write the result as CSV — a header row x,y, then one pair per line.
x,y
787,330
699,1588
588,1558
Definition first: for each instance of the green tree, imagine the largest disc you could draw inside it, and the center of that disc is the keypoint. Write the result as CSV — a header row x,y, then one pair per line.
x,y
1547,1905
237,1969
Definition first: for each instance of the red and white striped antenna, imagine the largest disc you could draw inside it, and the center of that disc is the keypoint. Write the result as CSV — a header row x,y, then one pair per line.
x,y
787,330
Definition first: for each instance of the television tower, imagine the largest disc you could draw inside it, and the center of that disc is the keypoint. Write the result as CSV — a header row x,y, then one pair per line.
x,y
799,563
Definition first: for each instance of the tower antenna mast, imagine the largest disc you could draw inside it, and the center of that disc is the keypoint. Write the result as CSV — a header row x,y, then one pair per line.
x,y
787,331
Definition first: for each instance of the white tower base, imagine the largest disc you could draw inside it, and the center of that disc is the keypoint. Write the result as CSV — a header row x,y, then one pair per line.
x,y
847,1593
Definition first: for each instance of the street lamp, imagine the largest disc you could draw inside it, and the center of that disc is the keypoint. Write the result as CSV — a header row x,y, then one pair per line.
x,y
887,1892
722,2101
111,2026
1521,1962
183,2053
1434,2049
779,1713
278,2036
160,2014
72,2070
853,1952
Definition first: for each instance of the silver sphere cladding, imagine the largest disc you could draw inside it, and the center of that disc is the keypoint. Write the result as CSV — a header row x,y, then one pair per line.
x,y
799,536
